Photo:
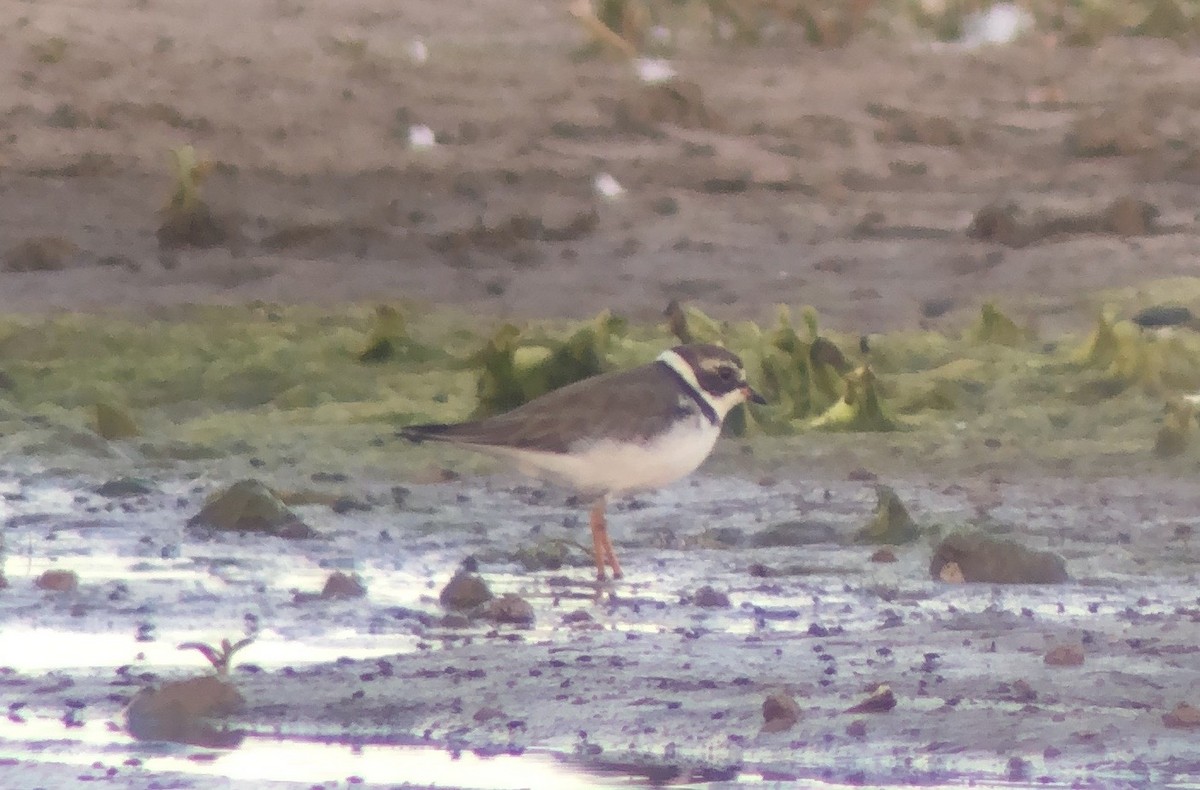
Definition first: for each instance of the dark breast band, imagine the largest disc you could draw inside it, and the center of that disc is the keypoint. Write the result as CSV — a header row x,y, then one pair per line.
x,y
705,407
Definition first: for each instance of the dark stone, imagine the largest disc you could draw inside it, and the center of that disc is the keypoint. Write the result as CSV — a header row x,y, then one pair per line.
x,y
1160,316
249,506
123,487
981,558
795,533
709,598
465,590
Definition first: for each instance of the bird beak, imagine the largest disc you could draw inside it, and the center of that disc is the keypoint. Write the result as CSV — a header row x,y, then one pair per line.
x,y
751,395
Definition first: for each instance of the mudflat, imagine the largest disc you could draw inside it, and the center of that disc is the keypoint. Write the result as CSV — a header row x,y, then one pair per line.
x,y
891,184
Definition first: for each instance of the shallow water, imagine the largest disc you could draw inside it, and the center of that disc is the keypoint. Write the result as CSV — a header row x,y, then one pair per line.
x,y
618,684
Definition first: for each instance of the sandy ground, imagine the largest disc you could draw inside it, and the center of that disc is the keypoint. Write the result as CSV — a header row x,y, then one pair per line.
x,y
847,179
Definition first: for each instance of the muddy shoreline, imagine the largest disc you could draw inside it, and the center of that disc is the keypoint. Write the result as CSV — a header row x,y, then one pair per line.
x,y
633,678
894,185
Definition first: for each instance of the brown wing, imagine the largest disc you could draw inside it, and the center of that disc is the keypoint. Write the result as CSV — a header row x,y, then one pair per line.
x,y
630,404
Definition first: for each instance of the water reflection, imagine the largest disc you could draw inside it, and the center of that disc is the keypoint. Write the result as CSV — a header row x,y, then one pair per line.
x,y
43,741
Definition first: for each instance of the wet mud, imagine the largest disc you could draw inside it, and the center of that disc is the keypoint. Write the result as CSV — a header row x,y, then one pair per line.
x,y
889,183
658,678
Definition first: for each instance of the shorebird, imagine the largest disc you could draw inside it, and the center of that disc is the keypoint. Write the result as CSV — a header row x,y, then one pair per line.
x,y
615,433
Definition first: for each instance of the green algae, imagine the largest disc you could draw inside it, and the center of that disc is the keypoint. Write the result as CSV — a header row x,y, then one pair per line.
x,y
1122,355
188,170
890,524
996,327
860,409
289,387
389,340
516,366
113,422
1179,422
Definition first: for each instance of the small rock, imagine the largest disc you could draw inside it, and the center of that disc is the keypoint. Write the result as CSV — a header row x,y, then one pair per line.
x,y
548,555
709,598
1019,691
348,504
509,608
1183,717
726,185
857,729
343,585
726,537
178,712
41,254
1064,656
881,700
487,714
999,223
883,555
780,712
1127,216
58,581
979,558
124,487
676,102
1163,315
249,506
936,307
795,533
435,474
665,206
465,591
1018,770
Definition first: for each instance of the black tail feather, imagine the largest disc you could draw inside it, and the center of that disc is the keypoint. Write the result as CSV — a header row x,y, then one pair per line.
x,y
423,433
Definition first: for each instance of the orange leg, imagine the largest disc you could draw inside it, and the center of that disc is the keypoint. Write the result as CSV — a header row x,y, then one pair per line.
x,y
602,549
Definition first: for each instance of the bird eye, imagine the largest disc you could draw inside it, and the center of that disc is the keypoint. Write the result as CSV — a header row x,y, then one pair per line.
x,y
725,373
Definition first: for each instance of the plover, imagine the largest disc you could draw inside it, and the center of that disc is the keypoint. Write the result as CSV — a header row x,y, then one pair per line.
x,y
615,433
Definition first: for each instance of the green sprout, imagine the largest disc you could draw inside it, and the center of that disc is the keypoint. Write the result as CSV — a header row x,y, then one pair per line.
x,y
220,659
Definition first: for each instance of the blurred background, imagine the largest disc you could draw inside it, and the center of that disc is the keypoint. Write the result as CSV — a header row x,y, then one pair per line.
x,y
888,163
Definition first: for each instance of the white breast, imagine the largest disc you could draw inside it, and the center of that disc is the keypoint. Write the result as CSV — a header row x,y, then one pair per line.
x,y
617,467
